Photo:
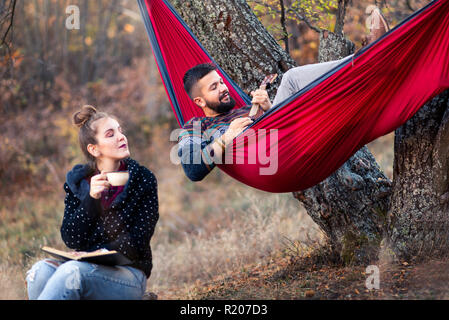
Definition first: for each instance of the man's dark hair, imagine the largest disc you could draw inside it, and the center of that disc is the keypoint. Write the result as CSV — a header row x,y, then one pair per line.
x,y
193,75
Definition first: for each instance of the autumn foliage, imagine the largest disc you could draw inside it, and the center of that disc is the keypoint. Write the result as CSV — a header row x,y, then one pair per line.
x,y
48,72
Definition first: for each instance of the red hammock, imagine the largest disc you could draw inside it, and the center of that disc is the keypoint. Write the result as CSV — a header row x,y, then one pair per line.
x,y
323,125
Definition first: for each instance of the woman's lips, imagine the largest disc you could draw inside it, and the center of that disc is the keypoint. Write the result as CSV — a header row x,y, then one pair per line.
x,y
123,146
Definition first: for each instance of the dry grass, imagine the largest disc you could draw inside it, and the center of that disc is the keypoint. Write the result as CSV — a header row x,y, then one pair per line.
x,y
12,282
206,231
253,233
299,279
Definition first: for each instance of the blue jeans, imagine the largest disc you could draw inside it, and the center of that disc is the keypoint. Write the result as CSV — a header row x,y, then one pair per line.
x,y
50,279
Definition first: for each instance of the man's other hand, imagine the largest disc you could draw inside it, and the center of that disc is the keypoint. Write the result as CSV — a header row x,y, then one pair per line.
x,y
261,98
235,128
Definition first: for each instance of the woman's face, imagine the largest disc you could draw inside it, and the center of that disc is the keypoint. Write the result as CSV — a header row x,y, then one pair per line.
x,y
111,142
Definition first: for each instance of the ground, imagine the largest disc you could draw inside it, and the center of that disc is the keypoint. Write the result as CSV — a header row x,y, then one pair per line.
x,y
286,278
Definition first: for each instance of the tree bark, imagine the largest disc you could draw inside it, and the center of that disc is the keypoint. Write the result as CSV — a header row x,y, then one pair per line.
x,y
341,14
352,206
418,217
236,39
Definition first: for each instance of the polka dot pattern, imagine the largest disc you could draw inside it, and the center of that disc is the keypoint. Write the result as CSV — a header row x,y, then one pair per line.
x,y
126,226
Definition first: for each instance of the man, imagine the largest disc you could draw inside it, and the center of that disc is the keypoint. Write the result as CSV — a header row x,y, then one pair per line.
x,y
203,140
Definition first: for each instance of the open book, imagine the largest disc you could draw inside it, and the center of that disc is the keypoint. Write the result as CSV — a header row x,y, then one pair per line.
x,y
105,257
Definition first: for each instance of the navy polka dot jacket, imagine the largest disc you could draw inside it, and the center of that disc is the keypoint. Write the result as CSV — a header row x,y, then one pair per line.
x,y
126,226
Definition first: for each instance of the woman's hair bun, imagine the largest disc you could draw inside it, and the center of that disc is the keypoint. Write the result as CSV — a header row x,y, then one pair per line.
x,y
82,116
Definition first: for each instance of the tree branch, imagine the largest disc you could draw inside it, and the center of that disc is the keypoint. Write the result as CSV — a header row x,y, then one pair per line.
x,y
10,15
341,13
383,3
295,12
284,27
304,19
409,5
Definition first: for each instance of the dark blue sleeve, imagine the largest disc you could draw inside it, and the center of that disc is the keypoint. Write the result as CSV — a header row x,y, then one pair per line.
x,y
196,158
80,219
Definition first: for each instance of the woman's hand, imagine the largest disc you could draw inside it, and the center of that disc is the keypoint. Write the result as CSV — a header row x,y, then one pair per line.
x,y
98,184
77,253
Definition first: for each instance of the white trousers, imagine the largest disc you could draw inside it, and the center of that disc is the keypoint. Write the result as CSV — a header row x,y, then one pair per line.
x,y
297,78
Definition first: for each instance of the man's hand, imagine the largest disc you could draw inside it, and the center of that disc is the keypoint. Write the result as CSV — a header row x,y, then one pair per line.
x,y
261,98
98,184
235,128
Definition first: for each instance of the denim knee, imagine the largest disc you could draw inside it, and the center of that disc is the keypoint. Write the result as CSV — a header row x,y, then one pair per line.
x,y
65,283
38,275
71,272
82,280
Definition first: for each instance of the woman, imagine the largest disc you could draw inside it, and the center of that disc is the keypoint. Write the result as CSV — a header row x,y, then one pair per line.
x,y
98,216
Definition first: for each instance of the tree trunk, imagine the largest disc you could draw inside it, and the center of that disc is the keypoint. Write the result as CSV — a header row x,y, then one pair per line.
x,y
341,14
419,207
352,205
236,39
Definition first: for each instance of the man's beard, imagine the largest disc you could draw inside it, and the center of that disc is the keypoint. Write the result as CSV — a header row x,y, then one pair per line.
x,y
222,107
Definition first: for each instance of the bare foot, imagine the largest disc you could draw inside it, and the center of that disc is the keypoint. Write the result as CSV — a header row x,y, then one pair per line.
x,y
376,23
377,26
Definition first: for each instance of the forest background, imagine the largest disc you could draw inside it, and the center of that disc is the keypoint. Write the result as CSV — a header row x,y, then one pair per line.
x,y
208,231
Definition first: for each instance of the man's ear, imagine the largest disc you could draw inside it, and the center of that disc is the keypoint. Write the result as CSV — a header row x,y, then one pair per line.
x,y
200,102
93,150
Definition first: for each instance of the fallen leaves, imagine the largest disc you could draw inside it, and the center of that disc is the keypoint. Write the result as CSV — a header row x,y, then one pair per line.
x,y
309,293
